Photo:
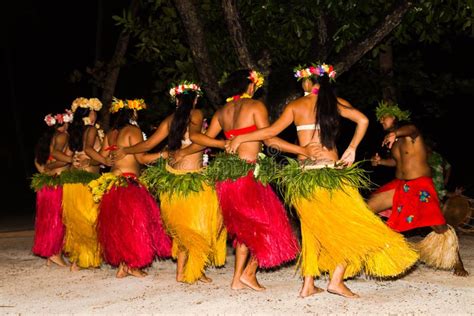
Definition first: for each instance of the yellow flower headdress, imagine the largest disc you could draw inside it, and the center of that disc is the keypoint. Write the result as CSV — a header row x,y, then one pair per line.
x,y
256,78
135,104
92,103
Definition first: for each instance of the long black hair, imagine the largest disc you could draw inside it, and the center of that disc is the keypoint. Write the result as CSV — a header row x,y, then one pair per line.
x,y
180,120
327,113
236,83
42,148
77,128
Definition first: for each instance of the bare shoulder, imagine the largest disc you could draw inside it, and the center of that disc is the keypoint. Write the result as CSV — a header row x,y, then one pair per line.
x,y
344,103
196,115
255,105
62,137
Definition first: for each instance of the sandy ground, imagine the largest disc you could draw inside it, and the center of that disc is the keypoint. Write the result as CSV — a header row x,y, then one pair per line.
x,y
28,286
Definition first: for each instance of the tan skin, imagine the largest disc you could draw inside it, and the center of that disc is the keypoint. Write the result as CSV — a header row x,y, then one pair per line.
x,y
58,143
302,112
409,157
127,136
88,159
191,161
234,115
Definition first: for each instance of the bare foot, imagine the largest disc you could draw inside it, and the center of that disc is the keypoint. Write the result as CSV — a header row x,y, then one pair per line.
x,y
252,283
56,259
311,290
237,285
342,290
137,273
205,279
74,267
121,272
460,271
180,278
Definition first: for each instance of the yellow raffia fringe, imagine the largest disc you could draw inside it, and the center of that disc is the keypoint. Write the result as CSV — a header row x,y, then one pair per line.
x,y
439,250
338,228
195,224
80,218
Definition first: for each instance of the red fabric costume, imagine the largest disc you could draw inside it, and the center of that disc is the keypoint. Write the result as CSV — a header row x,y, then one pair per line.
x,y
415,204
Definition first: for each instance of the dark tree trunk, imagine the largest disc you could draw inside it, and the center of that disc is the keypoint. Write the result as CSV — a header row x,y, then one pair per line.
x,y
98,41
197,43
386,70
234,27
113,68
353,53
322,42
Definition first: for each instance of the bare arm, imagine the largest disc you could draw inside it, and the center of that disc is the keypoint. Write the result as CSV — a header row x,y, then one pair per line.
x,y
136,137
156,138
404,131
60,143
261,121
377,161
349,112
91,135
268,132
208,139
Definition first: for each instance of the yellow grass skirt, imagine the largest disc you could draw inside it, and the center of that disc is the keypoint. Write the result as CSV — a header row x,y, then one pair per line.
x,y
195,224
80,218
338,228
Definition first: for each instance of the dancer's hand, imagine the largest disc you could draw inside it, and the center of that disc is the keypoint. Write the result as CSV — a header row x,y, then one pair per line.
x,y
118,154
348,157
80,160
389,139
375,160
313,150
233,145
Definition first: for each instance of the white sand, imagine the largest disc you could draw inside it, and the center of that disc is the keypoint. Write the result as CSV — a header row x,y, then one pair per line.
x,y
28,286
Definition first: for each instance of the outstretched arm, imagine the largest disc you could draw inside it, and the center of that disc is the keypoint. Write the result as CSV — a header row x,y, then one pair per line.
x,y
157,137
136,138
349,112
267,132
378,161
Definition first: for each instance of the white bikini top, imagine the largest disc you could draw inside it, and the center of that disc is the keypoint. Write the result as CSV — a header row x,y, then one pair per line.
x,y
308,127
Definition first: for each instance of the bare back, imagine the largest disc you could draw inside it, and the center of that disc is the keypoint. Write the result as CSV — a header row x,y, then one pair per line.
x,y
304,112
411,157
65,150
241,114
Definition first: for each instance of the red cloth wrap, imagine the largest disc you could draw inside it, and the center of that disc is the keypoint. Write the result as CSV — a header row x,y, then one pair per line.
x,y
49,228
129,226
240,131
255,217
415,204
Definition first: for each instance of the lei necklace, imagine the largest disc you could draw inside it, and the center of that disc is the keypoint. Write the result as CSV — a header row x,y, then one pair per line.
x,y
238,97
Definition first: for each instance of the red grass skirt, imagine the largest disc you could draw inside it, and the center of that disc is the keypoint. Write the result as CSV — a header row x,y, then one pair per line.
x,y
49,228
130,227
255,217
415,204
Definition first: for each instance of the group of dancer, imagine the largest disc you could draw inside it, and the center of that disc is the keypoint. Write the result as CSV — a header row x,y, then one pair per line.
x,y
178,208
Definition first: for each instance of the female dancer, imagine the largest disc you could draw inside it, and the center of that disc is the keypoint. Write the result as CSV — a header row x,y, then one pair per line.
x,y
79,208
189,207
253,214
129,225
340,235
49,228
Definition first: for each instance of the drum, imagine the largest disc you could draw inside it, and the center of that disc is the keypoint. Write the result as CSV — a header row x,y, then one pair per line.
x,y
458,212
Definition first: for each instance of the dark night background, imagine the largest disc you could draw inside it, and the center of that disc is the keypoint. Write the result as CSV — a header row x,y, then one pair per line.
x,y
44,42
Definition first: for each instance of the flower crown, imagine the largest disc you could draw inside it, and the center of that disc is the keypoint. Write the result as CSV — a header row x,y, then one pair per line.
x,y
315,70
135,104
92,103
59,118
256,78
183,88
384,109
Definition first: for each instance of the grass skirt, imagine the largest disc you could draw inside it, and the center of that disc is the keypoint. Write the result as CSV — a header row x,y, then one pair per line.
x,y
255,217
49,228
195,223
80,218
338,228
130,228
